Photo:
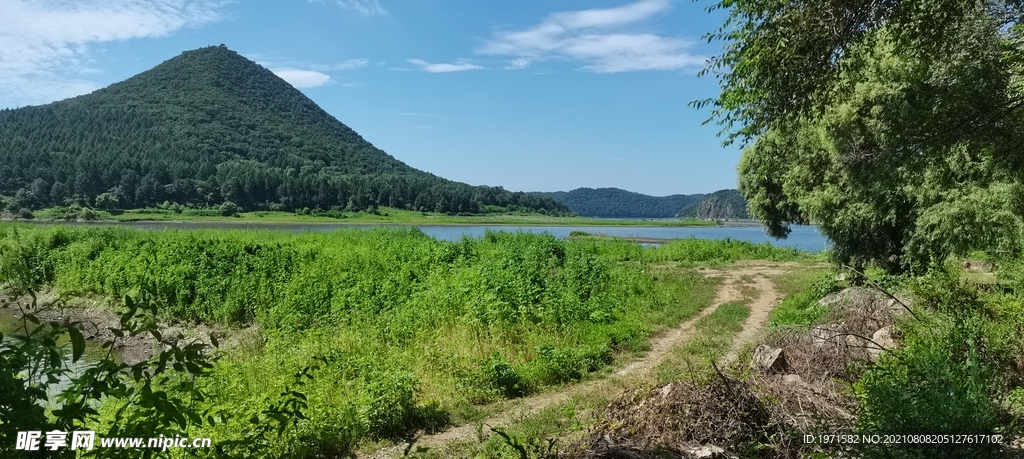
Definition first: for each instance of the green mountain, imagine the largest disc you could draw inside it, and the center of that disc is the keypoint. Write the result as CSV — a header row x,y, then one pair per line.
x,y
207,127
618,203
720,205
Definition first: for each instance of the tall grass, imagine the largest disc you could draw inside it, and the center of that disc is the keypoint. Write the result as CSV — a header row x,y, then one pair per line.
x,y
695,251
415,332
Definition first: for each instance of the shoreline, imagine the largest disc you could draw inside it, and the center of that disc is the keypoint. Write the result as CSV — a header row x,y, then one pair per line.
x,y
255,221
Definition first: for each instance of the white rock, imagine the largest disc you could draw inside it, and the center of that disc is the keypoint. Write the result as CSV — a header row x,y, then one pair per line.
x,y
769,360
884,338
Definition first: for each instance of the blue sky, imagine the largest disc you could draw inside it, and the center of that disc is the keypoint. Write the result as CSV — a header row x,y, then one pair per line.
x,y
532,95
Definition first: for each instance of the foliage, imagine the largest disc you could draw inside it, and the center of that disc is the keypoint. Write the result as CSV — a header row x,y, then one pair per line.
x,y
955,366
411,330
694,250
618,203
48,386
888,124
209,127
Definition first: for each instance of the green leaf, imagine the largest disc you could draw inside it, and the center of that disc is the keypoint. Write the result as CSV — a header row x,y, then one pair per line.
x,y
77,343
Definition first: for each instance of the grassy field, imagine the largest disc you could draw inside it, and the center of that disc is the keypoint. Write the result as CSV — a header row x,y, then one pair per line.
x,y
382,217
407,332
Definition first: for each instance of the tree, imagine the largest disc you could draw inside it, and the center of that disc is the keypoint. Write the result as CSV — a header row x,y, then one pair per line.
x,y
894,126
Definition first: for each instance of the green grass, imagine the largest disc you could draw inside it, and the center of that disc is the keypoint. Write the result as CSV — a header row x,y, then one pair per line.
x,y
711,340
801,290
695,251
415,332
382,216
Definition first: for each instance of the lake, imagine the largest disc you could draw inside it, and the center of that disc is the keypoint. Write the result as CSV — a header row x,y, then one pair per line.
x,y
806,238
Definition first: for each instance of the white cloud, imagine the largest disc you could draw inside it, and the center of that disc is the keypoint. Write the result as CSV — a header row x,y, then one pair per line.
x,y
444,68
351,64
305,75
302,78
519,63
595,39
363,7
45,44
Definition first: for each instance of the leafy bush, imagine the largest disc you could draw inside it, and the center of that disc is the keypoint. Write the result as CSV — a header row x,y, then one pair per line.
x,y
561,365
389,406
941,382
952,373
228,209
503,378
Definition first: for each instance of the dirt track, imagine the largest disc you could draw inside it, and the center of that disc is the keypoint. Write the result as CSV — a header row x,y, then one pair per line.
x,y
736,281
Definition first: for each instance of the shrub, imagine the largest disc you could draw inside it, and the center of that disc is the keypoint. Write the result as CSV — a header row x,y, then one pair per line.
x,y
87,214
955,368
502,377
941,382
26,213
389,406
228,209
561,365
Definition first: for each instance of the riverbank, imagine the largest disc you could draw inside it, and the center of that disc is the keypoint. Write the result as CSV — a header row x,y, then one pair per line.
x,y
384,216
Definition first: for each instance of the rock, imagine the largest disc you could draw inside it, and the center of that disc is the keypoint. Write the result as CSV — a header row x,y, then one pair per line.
x,y
884,339
708,452
826,334
666,391
769,360
856,341
792,379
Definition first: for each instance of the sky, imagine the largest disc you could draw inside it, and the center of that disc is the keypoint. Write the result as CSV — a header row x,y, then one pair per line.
x,y
531,95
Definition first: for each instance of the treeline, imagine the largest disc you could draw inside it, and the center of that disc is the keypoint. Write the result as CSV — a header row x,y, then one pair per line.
x,y
209,127
248,184
618,203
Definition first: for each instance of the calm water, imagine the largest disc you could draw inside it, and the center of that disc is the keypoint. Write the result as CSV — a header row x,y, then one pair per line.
x,y
804,238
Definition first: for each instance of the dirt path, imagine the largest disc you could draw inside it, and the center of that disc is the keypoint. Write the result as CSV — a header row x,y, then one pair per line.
x,y
760,307
738,282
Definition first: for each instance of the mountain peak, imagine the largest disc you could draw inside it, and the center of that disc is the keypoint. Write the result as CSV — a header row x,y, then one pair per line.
x,y
209,126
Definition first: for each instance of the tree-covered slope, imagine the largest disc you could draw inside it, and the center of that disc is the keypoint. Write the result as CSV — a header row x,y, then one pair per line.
x,y
618,203
722,204
210,126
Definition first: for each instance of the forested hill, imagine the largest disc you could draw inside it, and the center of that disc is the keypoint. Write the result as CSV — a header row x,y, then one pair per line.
x,y
207,127
722,204
618,203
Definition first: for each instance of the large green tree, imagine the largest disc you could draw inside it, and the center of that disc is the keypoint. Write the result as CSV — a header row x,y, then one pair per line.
x,y
894,125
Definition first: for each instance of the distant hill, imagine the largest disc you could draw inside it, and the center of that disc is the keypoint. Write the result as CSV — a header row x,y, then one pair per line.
x,y
618,203
722,204
207,127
